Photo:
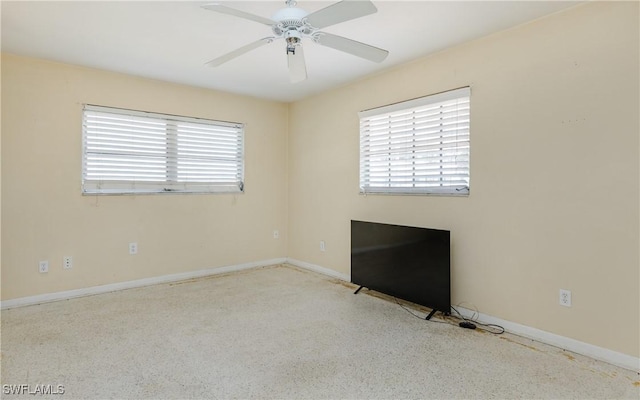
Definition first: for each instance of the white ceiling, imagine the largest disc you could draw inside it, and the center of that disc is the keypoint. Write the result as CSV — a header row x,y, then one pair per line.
x,y
172,41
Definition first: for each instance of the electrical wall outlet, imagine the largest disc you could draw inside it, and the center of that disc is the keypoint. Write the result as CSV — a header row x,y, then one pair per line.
x,y
565,298
67,262
43,266
276,234
133,248
322,246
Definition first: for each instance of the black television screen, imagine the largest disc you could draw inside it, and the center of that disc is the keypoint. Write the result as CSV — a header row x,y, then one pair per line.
x,y
406,262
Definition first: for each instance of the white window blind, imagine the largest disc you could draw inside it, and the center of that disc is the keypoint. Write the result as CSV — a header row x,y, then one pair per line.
x,y
420,146
128,151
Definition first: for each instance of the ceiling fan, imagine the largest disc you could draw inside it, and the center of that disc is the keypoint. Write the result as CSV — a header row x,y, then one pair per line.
x,y
293,24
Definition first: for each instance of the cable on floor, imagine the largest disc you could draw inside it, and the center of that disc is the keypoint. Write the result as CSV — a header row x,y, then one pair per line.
x,y
489,328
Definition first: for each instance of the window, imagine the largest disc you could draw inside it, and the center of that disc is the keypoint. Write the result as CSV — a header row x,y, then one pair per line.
x,y
128,151
420,146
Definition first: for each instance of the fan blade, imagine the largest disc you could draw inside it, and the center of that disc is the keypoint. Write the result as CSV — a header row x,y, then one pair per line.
x,y
340,12
238,52
297,66
352,47
232,11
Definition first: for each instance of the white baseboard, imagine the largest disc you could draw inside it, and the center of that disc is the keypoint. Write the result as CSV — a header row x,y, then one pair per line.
x,y
578,347
70,294
319,269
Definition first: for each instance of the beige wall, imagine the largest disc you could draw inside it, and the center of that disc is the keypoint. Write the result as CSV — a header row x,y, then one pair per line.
x,y
44,216
554,173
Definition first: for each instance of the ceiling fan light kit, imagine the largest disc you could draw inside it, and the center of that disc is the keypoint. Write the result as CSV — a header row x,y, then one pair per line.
x,y
293,24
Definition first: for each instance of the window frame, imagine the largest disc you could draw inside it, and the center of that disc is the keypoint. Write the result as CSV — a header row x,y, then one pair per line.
x,y
178,177
409,172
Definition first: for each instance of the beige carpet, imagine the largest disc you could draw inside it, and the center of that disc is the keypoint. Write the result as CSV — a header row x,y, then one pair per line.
x,y
278,332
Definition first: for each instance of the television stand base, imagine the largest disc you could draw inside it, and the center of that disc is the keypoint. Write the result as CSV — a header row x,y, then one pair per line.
x,y
428,317
356,292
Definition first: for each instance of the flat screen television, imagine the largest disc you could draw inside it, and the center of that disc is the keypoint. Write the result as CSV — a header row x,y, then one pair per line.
x,y
406,262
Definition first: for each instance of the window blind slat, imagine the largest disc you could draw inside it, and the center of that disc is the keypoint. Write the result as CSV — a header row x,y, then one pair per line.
x,y
411,129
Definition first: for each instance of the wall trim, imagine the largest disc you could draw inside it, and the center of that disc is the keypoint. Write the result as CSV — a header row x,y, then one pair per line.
x,y
319,269
563,342
576,346
93,290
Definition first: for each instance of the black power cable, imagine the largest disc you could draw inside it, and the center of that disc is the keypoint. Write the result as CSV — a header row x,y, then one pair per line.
x,y
490,328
